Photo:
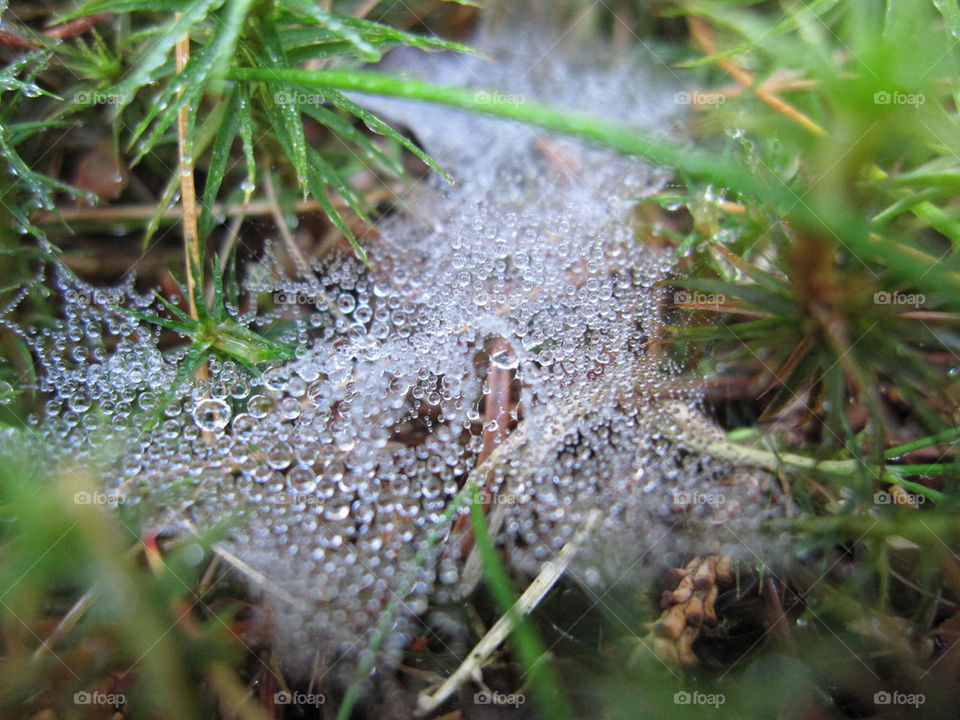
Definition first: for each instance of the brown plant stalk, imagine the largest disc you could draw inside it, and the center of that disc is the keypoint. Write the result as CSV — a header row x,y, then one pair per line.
x,y
188,194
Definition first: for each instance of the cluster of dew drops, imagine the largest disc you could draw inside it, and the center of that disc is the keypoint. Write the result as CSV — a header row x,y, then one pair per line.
x,y
338,468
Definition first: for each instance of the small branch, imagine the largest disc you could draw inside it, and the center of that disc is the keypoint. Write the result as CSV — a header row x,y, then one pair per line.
x,y
703,38
66,624
109,215
255,575
74,615
701,436
188,194
304,265
496,416
704,438
531,597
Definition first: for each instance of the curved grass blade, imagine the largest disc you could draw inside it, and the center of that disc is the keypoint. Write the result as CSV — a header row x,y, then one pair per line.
x,y
379,126
245,129
343,129
219,156
336,24
159,50
331,178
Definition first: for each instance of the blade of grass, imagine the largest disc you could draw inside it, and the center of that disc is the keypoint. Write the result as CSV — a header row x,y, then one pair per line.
x,y
218,160
829,221
530,648
950,435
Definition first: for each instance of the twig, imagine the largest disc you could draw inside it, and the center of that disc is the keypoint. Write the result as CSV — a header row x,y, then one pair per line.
x,y
531,597
702,36
230,240
304,265
696,433
497,412
66,624
255,575
258,577
79,609
188,194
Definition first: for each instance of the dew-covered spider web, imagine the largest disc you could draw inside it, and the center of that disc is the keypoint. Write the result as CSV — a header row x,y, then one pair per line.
x,y
512,320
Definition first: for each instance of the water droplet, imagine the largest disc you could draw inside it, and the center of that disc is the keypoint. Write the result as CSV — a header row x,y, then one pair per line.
x,y
211,415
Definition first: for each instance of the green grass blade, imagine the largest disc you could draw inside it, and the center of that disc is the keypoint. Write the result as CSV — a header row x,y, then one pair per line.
x,y
193,83
830,220
290,127
344,130
123,6
333,179
204,136
315,182
219,311
177,312
228,35
951,15
946,436
219,156
379,126
191,363
159,50
337,24
529,647
185,329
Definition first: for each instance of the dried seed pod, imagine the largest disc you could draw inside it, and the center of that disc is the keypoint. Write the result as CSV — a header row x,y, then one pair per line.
x,y
688,608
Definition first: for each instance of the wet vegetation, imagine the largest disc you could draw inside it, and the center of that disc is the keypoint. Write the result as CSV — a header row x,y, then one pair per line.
x,y
617,341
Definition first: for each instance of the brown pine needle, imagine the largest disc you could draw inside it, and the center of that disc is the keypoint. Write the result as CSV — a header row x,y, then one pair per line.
x,y
703,37
188,195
